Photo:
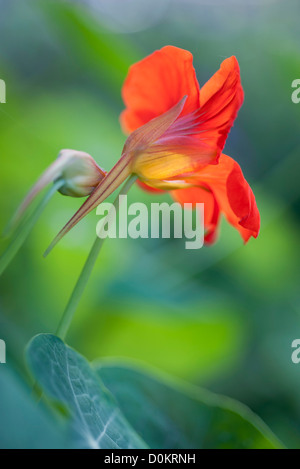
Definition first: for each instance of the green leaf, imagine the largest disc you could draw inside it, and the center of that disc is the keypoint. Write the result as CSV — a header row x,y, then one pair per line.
x,y
67,377
24,424
172,415
147,407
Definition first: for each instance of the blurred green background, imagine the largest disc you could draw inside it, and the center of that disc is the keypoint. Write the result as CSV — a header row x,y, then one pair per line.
x,y
223,317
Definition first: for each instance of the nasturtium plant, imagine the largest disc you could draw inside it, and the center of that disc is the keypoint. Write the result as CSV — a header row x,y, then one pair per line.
x,y
176,138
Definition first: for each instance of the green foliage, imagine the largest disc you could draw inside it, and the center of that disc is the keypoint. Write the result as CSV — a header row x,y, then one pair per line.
x,y
96,421
176,415
223,317
164,414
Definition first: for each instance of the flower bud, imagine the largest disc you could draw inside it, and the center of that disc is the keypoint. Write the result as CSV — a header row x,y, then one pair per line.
x,y
80,173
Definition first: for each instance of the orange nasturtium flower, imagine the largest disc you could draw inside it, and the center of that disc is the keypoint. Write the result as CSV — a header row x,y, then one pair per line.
x,y
177,134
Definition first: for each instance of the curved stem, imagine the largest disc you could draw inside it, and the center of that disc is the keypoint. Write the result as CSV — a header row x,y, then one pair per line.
x,y
87,271
24,230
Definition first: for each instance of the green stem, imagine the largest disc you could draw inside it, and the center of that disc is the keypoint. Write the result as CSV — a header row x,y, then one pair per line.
x,y
87,271
25,229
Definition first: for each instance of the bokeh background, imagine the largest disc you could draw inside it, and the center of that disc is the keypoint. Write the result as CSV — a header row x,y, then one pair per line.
x,y
223,317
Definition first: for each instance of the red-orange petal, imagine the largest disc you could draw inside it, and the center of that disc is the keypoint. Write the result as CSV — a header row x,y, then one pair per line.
x,y
230,193
220,98
157,83
211,208
148,188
